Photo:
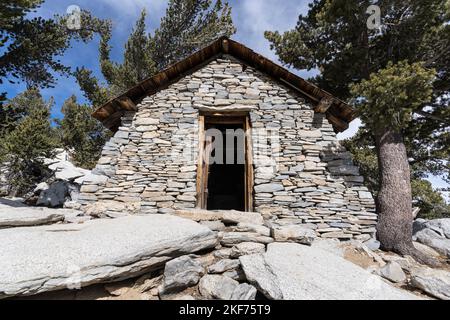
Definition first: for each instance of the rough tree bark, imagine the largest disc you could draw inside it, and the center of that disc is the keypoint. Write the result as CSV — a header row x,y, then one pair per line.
x,y
394,201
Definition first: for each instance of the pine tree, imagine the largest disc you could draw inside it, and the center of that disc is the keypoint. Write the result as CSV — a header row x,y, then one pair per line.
x,y
81,134
15,110
29,47
386,103
430,201
187,26
24,148
137,61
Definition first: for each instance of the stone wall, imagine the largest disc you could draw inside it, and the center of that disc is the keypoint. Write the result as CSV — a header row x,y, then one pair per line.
x,y
302,174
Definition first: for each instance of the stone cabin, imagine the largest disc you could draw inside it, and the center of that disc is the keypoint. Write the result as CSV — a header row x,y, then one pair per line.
x,y
274,132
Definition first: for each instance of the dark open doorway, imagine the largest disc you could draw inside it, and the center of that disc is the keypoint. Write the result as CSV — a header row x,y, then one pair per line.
x,y
226,182
225,175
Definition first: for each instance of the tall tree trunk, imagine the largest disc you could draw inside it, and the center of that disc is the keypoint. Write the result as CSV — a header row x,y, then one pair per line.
x,y
394,202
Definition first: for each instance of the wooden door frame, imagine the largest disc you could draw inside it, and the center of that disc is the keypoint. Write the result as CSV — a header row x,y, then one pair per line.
x,y
224,118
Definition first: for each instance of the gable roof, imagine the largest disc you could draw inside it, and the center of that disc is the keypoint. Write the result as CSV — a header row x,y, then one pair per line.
x,y
338,112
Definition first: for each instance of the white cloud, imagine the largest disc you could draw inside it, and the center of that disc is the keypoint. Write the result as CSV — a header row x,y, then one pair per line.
x,y
134,7
253,17
351,131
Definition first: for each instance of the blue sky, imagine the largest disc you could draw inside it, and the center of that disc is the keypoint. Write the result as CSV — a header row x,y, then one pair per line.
x,y
251,17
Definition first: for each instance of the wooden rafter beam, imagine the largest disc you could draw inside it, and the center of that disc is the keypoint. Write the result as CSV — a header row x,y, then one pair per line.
x,y
126,103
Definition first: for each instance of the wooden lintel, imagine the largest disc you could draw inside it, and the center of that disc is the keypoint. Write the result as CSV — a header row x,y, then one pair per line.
x,y
323,105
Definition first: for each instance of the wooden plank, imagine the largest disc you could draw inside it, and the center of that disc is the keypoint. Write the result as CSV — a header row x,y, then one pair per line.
x,y
113,120
249,169
225,120
211,116
225,46
205,171
127,104
201,144
338,123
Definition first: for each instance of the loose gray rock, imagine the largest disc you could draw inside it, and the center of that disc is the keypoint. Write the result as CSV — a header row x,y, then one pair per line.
x,y
393,272
73,216
97,251
91,179
12,203
248,227
247,248
244,292
432,239
223,266
182,273
298,272
260,274
214,225
433,282
440,225
426,250
293,233
419,224
222,253
54,196
230,239
145,283
28,216
236,217
407,263
40,187
217,287
65,170
373,244
237,275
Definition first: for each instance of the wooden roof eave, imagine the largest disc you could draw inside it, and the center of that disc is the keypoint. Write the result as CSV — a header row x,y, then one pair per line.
x,y
338,112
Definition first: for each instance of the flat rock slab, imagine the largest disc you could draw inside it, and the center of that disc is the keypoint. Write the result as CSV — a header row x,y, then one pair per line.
x,y
295,272
28,216
226,216
48,258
